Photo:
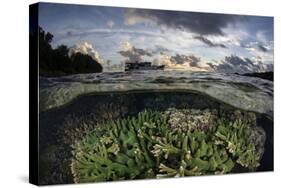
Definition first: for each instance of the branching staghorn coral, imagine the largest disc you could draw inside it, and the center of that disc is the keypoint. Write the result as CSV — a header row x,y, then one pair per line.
x,y
151,145
246,152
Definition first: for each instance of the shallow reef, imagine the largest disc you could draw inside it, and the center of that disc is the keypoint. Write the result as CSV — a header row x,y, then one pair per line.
x,y
62,128
170,143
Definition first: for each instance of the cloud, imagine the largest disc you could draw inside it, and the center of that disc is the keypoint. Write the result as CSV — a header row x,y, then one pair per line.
x,y
256,46
112,67
69,33
110,23
237,64
262,48
133,54
212,65
230,64
200,23
87,49
64,37
262,35
162,59
180,61
159,49
209,42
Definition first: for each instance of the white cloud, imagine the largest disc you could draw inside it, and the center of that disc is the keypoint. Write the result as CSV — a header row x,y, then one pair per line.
x,y
182,62
87,49
126,46
133,54
132,19
261,36
110,23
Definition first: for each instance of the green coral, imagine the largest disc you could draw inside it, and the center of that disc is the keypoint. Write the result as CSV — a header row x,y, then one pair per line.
x,y
149,146
236,138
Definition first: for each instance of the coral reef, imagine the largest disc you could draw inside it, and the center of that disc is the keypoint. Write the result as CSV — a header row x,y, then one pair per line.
x,y
173,143
55,155
55,158
190,119
74,128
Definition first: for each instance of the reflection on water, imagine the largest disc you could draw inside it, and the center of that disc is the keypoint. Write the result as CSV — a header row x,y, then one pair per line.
x,y
246,93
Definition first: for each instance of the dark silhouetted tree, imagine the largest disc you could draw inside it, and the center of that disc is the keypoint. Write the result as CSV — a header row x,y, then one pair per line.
x,y
56,62
85,63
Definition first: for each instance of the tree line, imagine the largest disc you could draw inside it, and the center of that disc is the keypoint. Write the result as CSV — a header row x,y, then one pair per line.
x,y
58,62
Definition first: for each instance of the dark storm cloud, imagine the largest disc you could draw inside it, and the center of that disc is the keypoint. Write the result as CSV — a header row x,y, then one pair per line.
x,y
208,42
211,65
256,46
159,49
69,33
236,64
200,23
135,54
190,59
262,48
142,52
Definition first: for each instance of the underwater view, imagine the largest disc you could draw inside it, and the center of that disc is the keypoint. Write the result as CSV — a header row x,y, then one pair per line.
x,y
153,124
128,94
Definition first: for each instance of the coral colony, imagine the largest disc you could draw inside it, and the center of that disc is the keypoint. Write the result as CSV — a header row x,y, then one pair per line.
x,y
174,143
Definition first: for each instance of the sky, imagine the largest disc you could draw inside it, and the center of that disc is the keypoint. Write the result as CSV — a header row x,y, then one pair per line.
x,y
179,40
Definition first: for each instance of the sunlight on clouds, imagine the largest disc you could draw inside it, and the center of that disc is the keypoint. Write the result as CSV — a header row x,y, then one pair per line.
x,y
126,46
183,62
167,37
86,48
